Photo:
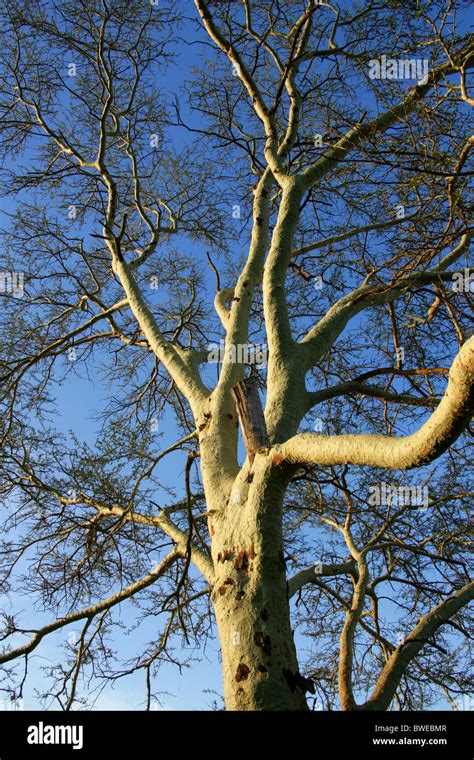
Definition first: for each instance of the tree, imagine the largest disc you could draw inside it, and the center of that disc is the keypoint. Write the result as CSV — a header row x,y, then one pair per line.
x,y
330,196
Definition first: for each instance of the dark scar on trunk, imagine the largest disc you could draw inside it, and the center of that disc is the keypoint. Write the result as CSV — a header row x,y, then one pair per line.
x,y
243,557
227,582
263,640
222,556
241,561
242,672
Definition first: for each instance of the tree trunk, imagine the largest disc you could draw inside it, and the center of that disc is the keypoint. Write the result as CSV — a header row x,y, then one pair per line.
x,y
250,596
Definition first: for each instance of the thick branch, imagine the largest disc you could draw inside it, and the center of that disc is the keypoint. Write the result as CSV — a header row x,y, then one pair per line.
x,y
346,646
399,453
404,654
313,573
218,437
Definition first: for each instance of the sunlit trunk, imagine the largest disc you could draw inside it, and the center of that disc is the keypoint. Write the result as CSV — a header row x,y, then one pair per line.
x,y
260,668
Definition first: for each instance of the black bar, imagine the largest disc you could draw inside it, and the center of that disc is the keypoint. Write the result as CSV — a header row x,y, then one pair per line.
x,y
137,735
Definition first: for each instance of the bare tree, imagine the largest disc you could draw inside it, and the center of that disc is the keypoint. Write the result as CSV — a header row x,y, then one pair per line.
x,y
330,197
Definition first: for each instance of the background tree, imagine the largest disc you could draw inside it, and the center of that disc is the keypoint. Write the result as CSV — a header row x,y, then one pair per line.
x,y
330,198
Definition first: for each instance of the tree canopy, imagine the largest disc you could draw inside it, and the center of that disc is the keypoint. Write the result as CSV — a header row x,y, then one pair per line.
x,y
246,226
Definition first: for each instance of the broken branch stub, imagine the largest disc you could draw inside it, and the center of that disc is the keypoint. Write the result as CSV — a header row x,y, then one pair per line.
x,y
252,421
